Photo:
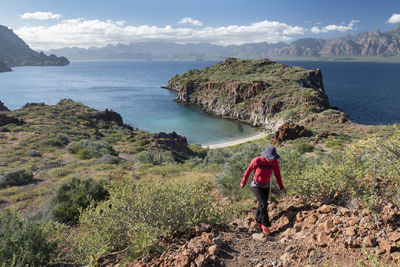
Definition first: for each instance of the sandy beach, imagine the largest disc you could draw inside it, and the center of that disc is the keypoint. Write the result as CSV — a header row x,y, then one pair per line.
x,y
237,142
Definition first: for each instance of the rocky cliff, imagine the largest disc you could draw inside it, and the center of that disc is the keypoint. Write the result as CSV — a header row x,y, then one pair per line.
x,y
262,93
4,67
15,52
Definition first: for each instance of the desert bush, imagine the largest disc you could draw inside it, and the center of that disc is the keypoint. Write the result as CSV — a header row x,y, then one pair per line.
x,y
85,149
59,140
22,242
74,196
18,177
34,153
199,151
139,214
228,183
303,147
218,156
108,159
145,157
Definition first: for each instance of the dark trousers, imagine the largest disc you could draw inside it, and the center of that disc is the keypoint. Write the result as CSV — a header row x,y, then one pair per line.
x,y
262,210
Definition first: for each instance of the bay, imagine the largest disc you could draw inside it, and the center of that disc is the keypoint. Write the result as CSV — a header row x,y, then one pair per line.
x,y
132,88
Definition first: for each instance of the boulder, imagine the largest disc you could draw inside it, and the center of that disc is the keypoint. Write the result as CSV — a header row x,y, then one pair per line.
x,y
290,131
173,142
369,241
4,119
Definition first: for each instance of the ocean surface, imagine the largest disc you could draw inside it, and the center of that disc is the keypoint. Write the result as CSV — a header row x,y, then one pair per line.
x,y
368,92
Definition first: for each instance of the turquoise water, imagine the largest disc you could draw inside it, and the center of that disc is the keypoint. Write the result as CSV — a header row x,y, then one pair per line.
x,y
368,92
132,88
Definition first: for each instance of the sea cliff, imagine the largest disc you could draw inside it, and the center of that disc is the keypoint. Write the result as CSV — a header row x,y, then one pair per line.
x,y
262,93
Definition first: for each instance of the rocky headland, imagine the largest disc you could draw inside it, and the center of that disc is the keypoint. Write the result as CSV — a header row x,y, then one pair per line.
x,y
4,67
15,52
262,93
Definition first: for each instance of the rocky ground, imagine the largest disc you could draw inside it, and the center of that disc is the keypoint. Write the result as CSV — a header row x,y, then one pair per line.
x,y
301,235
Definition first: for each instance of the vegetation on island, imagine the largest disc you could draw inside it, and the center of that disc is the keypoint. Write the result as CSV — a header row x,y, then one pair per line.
x,y
78,186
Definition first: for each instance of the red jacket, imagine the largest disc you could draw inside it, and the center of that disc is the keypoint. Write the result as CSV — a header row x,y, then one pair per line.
x,y
263,172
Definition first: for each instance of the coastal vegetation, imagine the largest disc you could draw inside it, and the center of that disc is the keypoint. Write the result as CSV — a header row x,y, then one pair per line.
x,y
80,187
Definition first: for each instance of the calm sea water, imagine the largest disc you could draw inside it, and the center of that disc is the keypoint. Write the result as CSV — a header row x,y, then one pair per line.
x,y
368,92
132,88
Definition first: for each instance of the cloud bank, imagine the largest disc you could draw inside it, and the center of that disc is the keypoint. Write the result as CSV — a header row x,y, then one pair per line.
x,y
395,18
339,28
89,33
41,16
191,21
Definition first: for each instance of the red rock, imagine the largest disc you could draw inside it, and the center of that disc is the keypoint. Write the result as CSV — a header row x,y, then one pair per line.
x,y
352,222
324,209
297,228
213,250
336,221
206,237
351,231
290,131
385,245
322,238
182,261
328,225
201,260
394,236
369,241
218,242
313,219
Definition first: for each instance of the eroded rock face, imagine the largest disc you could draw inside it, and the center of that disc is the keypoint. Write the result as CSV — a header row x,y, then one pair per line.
x,y
290,131
2,107
109,116
4,119
173,142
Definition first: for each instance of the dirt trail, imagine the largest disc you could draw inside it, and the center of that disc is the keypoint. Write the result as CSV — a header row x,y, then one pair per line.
x,y
301,235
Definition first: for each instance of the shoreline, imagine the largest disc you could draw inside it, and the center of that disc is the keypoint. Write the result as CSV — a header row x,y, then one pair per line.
x,y
237,142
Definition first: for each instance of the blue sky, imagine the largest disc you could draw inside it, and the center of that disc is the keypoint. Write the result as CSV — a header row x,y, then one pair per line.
x,y
46,24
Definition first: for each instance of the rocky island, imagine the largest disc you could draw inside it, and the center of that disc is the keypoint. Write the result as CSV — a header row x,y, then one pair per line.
x,y
262,93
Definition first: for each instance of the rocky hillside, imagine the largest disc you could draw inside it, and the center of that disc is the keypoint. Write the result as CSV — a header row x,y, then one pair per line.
x,y
4,67
374,43
260,92
15,52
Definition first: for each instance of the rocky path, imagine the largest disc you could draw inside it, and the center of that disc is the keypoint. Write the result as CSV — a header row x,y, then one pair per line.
x,y
301,235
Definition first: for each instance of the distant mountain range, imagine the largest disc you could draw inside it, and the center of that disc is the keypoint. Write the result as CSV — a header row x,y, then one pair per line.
x,y
374,43
15,52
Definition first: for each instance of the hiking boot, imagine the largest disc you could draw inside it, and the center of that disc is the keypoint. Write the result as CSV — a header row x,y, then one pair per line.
x,y
265,229
257,224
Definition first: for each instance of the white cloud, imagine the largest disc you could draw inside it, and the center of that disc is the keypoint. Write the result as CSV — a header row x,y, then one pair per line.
x,y
41,16
87,33
395,18
191,21
339,28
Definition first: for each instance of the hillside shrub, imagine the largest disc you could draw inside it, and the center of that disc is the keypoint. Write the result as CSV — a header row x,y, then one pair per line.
x,y
59,140
109,159
17,177
22,242
139,214
145,157
304,147
218,156
85,149
75,195
228,183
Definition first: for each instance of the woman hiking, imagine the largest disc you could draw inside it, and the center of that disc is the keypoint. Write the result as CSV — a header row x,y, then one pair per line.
x,y
263,166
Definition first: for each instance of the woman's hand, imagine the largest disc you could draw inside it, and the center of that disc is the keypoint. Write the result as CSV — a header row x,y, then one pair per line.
x,y
242,185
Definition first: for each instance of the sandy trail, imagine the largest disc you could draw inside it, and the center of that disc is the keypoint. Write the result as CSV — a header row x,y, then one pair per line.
x,y
237,142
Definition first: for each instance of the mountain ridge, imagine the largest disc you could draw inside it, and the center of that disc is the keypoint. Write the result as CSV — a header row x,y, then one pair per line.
x,y
15,52
364,44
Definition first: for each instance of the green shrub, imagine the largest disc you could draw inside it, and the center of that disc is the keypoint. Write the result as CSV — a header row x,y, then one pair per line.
x,y
18,177
109,159
85,149
139,214
218,156
199,151
303,147
74,196
228,183
34,153
23,243
60,140
145,157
